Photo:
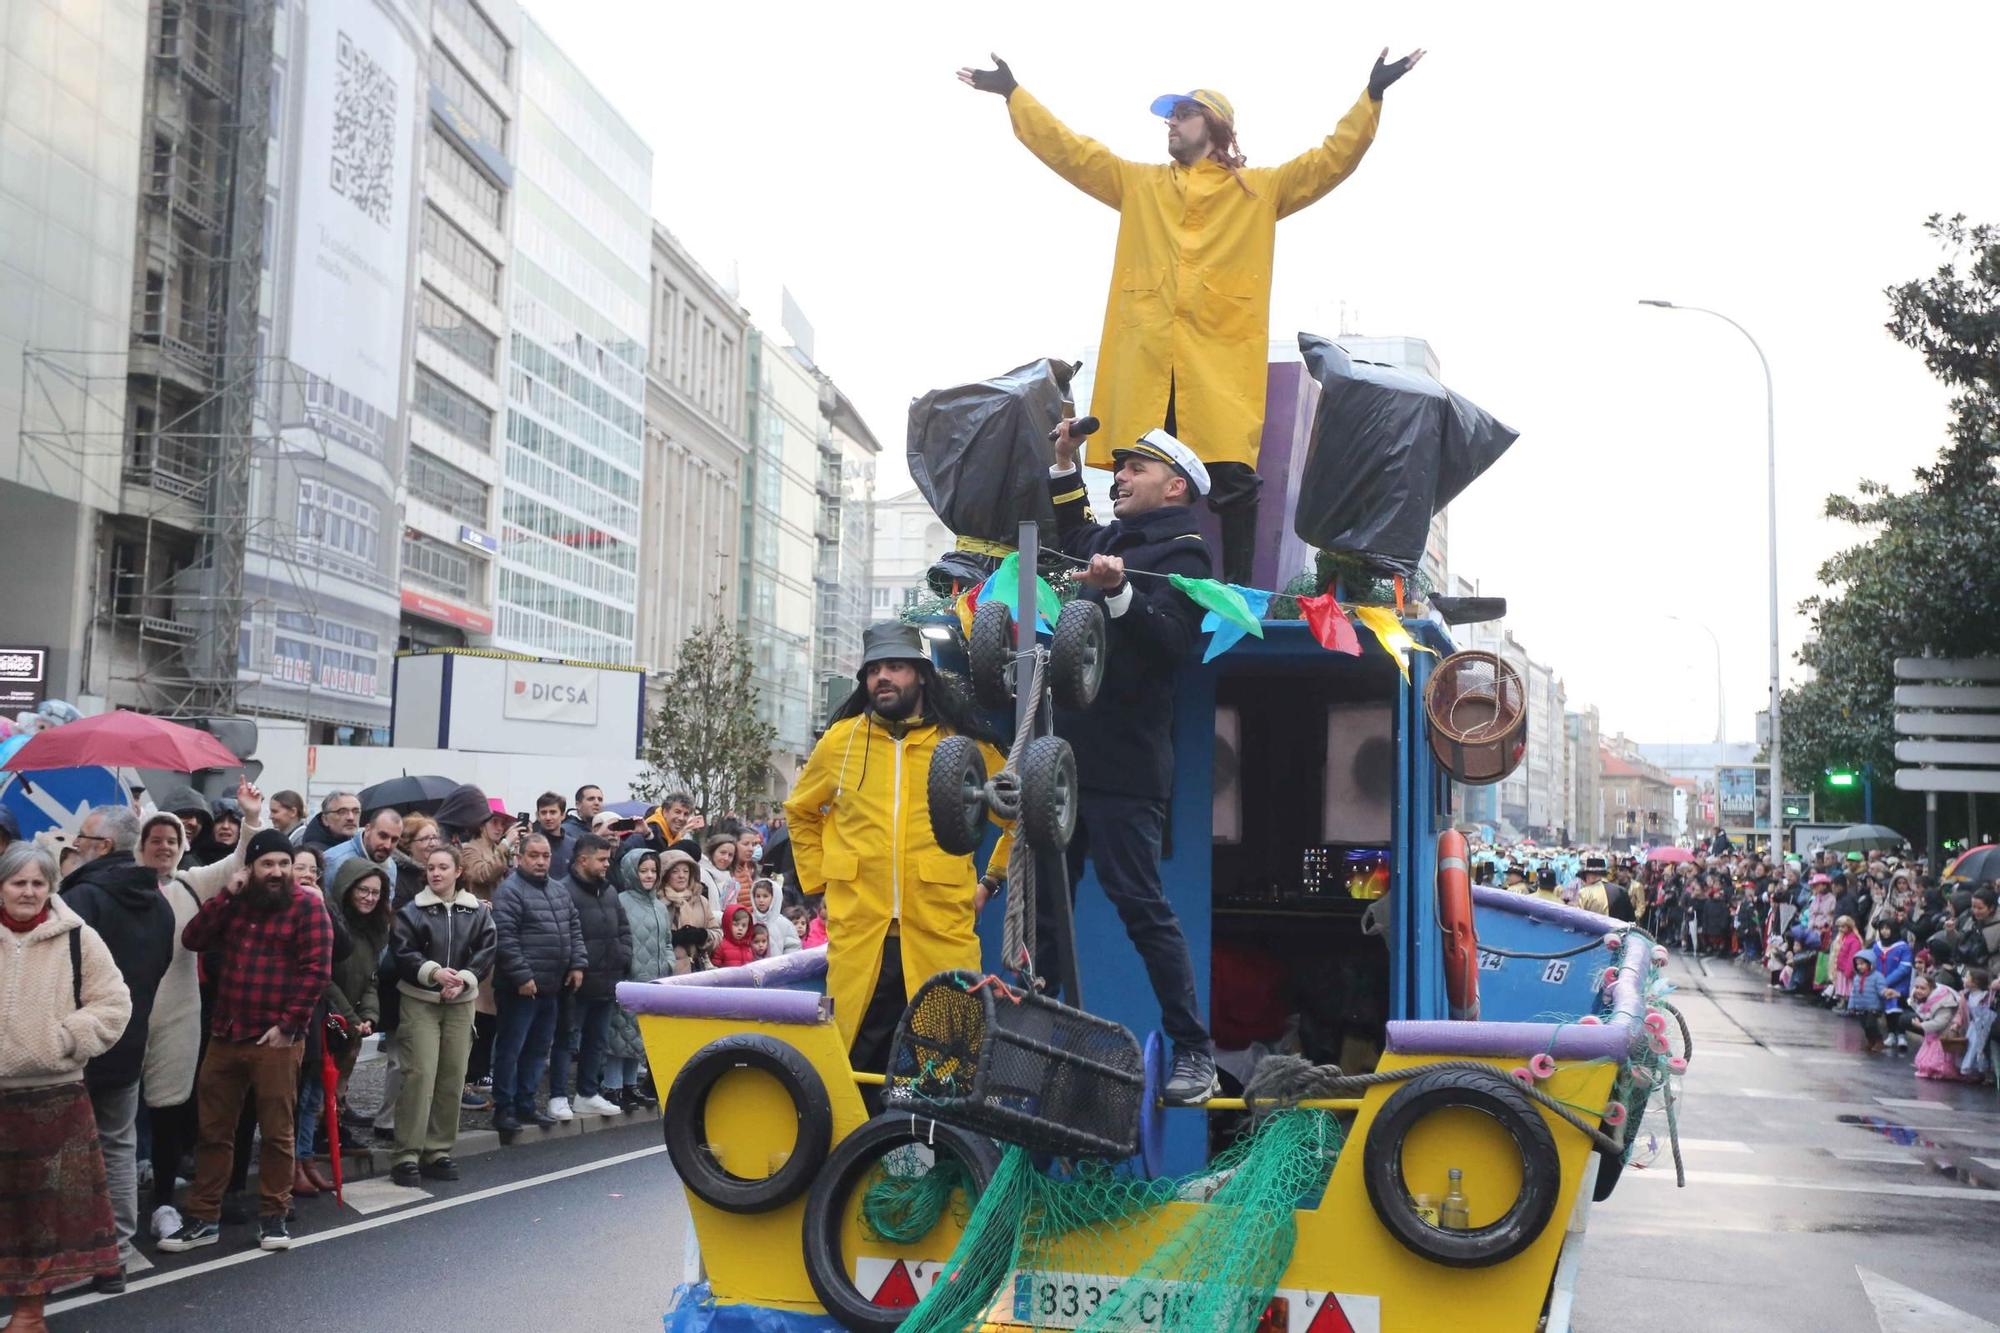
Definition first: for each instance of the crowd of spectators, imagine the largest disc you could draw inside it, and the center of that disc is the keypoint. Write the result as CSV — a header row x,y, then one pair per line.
x,y
180,988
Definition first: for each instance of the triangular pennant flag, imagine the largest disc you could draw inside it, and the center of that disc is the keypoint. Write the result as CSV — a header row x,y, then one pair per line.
x,y
1003,585
1329,624
1226,600
1226,634
1389,631
967,603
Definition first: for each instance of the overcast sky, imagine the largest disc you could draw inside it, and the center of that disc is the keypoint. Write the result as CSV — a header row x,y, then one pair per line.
x,y
1530,182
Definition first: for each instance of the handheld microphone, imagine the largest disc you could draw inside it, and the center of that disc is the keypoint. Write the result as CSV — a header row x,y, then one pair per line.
x,y
1079,428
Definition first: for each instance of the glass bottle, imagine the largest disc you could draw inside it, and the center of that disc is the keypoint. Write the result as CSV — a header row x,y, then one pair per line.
x,y
1455,1213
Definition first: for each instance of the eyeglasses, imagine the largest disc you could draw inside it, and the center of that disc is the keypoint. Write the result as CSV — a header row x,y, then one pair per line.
x,y
82,838
345,810
1184,111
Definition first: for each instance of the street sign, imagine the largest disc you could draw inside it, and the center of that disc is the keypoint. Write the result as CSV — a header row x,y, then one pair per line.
x,y
1948,696
1948,752
1948,668
1947,779
1948,724
1798,805
59,798
1975,714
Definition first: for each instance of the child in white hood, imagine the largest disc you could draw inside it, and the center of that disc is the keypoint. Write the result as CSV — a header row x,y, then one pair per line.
x,y
768,910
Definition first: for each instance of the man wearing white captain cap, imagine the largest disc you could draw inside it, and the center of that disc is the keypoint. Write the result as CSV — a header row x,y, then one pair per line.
x,y
1124,740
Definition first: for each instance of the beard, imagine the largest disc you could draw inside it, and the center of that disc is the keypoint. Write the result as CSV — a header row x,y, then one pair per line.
x,y
268,891
892,704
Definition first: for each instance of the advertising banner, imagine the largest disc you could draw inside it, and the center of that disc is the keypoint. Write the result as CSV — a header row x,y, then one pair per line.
x,y
1743,795
356,176
23,679
540,692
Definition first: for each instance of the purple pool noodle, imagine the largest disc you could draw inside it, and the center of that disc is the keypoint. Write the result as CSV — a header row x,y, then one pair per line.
x,y
785,969
747,1003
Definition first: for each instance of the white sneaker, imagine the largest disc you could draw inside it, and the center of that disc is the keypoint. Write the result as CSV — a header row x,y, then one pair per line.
x,y
596,1104
559,1108
166,1220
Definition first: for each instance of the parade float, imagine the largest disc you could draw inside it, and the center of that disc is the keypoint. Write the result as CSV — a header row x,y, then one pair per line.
x,y
1433,1081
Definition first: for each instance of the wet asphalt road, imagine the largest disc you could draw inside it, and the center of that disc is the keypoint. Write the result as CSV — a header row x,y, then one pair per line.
x,y
1815,1171
1828,1191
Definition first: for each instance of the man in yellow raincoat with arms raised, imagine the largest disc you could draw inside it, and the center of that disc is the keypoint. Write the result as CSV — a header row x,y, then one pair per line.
x,y
1187,321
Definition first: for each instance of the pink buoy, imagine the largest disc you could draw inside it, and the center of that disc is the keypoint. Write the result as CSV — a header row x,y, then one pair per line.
x,y
1542,1065
1589,1020
1614,941
1659,955
1610,976
1521,1076
1642,1076
1660,1046
1614,1114
1656,1022
1677,1064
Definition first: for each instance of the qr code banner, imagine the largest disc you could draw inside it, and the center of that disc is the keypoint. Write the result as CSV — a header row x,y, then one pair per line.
x,y
364,131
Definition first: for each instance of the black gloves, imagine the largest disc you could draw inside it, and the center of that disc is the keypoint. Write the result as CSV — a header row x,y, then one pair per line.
x,y
999,79
1386,73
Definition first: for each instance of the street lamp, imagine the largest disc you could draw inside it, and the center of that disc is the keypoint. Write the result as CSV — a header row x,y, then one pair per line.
x,y
1721,710
1771,484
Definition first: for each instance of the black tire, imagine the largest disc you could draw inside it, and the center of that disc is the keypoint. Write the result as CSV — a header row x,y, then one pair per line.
x,y
956,791
1490,1094
685,1117
1611,1165
832,1195
1048,793
1076,658
992,654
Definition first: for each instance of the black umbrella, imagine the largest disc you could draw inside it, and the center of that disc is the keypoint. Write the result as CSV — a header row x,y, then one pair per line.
x,y
1981,863
1865,838
410,795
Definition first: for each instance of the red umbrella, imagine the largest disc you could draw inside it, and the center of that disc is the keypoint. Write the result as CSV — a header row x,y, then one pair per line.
x,y
122,740
330,1080
1670,854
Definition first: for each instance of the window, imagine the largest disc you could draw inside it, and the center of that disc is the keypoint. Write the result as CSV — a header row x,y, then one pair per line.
x,y
465,179
457,330
452,81
480,34
454,409
434,564
461,254
337,520
451,489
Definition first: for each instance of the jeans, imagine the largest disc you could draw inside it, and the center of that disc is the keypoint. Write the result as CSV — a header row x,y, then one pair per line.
x,y
521,1050
117,1112
583,1027
1121,835
620,1071
312,1100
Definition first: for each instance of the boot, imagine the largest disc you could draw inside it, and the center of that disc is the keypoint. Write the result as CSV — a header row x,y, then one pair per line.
x,y
1239,541
302,1184
321,1179
28,1316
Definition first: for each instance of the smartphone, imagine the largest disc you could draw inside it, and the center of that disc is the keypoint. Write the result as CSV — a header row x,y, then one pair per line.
x,y
521,818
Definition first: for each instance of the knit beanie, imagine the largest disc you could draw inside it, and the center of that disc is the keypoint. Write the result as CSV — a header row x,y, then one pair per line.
x,y
265,843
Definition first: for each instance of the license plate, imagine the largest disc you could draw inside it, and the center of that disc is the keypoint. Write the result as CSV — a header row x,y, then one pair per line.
x,y
1066,1300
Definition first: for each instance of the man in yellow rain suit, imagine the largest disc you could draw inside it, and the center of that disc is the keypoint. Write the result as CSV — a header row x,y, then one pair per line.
x,y
899,909
1186,325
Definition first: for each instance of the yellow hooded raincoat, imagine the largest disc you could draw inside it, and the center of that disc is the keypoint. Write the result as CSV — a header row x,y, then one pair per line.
x,y
861,834
1190,303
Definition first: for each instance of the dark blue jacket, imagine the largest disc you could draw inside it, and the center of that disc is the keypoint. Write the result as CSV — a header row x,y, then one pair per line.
x,y
607,936
1124,741
539,936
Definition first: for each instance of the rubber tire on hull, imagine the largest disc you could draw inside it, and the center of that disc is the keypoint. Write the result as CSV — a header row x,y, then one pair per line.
x,y
832,1193
1048,793
956,795
992,652
1493,1095
1076,656
685,1123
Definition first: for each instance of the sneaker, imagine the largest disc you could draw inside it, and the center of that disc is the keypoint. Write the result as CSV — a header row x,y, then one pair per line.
x,y
507,1122
486,1084
109,1284
191,1236
272,1233
405,1173
440,1168
559,1109
474,1100
546,1117
166,1220
595,1104
1192,1080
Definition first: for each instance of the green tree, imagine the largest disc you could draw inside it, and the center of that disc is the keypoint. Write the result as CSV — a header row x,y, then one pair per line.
x,y
704,736
1927,578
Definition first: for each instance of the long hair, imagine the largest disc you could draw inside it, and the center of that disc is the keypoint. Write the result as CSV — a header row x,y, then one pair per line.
x,y
1223,150
944,703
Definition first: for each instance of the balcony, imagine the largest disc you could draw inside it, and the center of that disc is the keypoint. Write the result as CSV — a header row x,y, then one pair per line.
x,y
176,465
192,49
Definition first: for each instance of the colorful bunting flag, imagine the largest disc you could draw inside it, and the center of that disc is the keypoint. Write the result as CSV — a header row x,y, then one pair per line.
x,y
1003,586
1226,634
1389,631
1224,599
1329,624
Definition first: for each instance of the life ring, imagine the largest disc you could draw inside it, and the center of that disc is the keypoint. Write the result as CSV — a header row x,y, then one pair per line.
x,y
686,1123
828,1204
1461,937
1491,1094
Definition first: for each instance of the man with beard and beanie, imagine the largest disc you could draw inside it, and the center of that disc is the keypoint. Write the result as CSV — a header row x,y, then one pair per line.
x,y
1124,741
276,944
899,909
1184,326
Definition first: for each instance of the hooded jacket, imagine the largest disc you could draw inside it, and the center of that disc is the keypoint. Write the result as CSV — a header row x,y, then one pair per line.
x,y
539,934
173,1044
693,909
607,936
651,921
315,833
49,1039
732,952
784,935
355,848
354,994
120,900
431,934
1893,963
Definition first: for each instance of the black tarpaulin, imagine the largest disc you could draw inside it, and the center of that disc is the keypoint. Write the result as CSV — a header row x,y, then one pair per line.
x,y
980,453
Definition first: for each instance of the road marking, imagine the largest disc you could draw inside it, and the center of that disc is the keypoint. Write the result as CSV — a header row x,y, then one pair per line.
x,y
368,1197
1901,1309
366,1224
1767,1094
1829,1187
1714,1145
1714,1052
1990,1163
1918,1104
1875,1155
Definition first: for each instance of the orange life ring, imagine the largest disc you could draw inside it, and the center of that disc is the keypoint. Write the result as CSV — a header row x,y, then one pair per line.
x,y
1461,939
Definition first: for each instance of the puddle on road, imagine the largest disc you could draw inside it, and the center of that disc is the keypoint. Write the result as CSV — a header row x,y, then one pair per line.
x,y
1948,1161
1900,1135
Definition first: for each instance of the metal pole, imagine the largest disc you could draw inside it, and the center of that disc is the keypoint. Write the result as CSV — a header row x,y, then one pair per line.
x,y
1930,833
1867,798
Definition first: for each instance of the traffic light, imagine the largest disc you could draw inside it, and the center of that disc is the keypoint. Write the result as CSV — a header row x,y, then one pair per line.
x,y
1841,777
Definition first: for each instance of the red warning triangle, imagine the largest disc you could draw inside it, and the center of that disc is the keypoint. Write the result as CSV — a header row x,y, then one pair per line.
x,y
898,1292
1331,1318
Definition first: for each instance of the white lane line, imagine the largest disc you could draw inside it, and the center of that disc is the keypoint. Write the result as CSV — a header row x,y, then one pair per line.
x,y
1990,1163
1901,1309
1766,1094
1919,1104
366,1224
1714,1052
1828,1187
1889,1155
380,1194
1714,1145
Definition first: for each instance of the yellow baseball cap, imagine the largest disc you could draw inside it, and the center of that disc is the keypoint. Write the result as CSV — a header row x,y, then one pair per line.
x,y
1164,104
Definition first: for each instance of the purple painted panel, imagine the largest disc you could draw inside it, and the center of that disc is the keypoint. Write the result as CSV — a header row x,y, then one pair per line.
x,y
739,1002
1290,395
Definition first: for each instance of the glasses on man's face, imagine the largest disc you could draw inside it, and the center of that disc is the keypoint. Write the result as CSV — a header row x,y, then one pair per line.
x,y
1184,111
345,810
82,838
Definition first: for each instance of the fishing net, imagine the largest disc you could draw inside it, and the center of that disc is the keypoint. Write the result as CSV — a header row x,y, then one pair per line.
x,y
1078,1251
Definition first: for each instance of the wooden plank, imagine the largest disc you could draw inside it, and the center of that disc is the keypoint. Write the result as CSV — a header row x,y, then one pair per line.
x,y
1948,668
1948,752
1947,779
1948,696
1948,724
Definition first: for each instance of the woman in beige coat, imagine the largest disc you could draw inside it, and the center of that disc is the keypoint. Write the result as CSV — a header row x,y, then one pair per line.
x,y
62,1002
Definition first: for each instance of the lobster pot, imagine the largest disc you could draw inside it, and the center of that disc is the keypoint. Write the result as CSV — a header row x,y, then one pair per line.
x,y
1017,1067
1478,715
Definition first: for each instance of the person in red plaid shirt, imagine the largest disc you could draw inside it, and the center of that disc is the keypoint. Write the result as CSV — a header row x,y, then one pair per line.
x,y
277,957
